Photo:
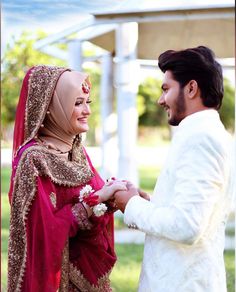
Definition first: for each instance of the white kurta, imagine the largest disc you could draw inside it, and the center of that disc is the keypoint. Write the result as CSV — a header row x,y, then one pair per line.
x,y
185,220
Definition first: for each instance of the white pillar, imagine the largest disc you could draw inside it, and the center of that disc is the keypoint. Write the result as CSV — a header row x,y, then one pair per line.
x,y
126,81
109,122
75,55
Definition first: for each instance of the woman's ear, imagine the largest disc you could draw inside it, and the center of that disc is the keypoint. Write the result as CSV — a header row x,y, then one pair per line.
x,y
192,89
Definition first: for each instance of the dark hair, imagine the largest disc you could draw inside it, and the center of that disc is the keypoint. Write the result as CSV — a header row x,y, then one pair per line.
x,y
197,64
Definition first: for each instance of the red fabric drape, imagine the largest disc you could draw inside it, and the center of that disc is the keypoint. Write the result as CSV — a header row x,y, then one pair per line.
x,y
19,129
90,251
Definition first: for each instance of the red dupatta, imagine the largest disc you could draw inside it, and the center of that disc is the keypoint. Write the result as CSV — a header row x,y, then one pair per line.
x,y
39,233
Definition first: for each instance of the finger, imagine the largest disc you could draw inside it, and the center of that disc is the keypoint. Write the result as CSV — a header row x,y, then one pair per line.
x,y
119,188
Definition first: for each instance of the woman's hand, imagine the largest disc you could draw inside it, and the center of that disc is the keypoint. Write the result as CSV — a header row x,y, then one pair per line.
x,y
108,190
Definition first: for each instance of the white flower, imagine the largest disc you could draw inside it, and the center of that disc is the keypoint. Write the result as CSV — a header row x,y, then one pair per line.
x,y
85,191
99,209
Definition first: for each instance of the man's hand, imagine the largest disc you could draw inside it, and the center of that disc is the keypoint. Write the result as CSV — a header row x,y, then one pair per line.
x,y
144,195
122,197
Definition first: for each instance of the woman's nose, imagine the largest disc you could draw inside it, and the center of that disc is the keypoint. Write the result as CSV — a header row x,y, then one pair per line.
x,y
87,109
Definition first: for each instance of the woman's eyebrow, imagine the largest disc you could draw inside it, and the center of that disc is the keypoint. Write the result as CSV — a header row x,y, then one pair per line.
x,y
79,98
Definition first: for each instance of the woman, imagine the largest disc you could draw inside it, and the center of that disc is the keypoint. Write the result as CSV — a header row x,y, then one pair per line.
x,y
61,232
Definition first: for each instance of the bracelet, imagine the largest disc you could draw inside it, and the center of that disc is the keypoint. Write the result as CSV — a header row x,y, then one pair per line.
x,y
87,195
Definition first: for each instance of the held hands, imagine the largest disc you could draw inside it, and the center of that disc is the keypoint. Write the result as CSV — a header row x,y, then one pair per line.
x,y
108,190
122,197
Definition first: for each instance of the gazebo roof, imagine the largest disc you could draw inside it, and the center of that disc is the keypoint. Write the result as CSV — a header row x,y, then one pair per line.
x,y
161,27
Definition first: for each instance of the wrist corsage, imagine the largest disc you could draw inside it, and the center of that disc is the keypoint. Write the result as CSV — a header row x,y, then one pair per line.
x,y
87,195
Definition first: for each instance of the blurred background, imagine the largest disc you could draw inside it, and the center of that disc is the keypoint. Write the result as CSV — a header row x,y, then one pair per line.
x,y
117,42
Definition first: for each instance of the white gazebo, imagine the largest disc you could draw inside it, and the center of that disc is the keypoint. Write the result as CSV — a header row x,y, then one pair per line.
x,y
140,33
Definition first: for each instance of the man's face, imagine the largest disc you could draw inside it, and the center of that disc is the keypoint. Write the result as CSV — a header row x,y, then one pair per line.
x,y
173,99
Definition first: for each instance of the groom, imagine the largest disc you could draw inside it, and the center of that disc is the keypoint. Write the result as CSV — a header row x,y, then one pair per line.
x,y
184,221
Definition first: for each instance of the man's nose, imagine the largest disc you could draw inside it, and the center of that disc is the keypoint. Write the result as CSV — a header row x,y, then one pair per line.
x,y
161,100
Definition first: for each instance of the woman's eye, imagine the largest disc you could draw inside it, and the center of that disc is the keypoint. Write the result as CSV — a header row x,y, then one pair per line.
x,y
78,103
89,101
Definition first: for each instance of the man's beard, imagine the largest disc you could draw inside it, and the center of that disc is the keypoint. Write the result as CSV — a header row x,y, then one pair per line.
x,y
180,108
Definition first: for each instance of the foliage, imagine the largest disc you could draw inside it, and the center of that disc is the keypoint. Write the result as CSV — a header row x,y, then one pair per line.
x,y
152,115
228,106
15,62
149,113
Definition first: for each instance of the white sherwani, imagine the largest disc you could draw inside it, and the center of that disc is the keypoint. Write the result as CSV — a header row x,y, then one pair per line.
x,y
185,220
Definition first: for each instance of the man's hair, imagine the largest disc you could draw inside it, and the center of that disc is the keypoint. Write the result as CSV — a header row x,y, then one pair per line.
x,y
197,64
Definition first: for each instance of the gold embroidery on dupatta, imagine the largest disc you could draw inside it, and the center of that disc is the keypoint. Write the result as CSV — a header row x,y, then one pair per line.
x,y
36,161
77,278
42,82
81,216
53,199
64,283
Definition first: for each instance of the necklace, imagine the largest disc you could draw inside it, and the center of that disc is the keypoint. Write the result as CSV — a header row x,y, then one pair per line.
x,y
48,146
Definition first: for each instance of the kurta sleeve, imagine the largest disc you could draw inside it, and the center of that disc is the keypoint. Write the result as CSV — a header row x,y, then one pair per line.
x,y
80,218
199,179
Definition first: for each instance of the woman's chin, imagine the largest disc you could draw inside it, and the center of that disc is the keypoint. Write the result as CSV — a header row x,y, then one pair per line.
x,y
83,129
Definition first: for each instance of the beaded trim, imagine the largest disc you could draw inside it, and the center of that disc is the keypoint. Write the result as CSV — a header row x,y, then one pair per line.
x,y
77,278
53,199
42,82
36,161
64,282
81,216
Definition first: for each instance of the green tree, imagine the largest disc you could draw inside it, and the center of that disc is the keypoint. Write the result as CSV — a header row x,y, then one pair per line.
x,y
15,62
228,106
149,113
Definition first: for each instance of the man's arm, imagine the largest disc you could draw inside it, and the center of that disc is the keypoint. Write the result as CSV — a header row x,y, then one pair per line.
x,y
199,180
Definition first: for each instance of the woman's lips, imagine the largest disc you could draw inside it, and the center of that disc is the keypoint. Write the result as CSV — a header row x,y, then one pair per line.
x,y
82,120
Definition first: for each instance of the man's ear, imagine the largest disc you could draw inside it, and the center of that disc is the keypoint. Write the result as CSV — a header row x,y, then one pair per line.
x,y
192,89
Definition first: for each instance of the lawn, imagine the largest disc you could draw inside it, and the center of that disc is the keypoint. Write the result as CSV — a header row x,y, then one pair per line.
x,y
125,275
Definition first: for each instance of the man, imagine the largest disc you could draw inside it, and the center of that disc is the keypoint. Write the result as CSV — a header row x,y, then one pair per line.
x,y
184,221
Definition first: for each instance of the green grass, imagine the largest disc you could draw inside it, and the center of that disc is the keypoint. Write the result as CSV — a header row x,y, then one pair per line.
x,y
125,274
229,257
148,177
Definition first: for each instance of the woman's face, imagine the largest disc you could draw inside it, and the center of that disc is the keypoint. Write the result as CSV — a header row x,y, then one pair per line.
x,y
79,118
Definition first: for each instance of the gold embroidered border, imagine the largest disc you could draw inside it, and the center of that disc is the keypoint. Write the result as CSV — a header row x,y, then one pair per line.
x,y
24,185
81,216
77,278
42,82
60,171
64,283
36,161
